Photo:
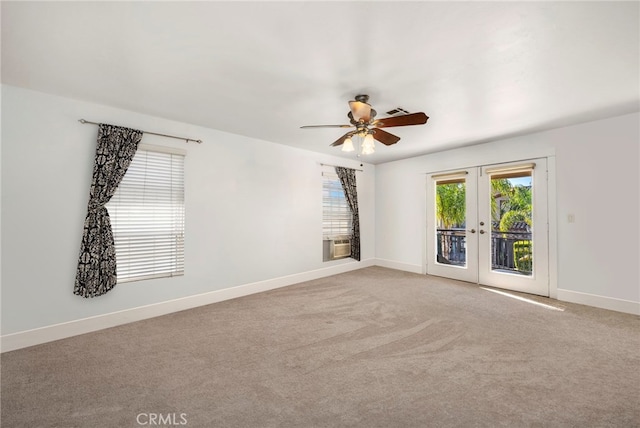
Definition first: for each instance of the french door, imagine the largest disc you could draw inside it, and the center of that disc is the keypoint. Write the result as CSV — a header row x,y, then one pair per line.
x,y
488,225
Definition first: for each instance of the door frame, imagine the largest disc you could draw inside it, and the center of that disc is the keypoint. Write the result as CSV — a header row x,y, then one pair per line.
x,y
551,209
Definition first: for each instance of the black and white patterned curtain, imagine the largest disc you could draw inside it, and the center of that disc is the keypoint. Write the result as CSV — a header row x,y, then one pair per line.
x,y
347,178
96,272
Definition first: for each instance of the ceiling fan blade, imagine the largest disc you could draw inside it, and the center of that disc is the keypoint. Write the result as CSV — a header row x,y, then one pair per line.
x,y
360,110
326,126
384,137
404,120
340,140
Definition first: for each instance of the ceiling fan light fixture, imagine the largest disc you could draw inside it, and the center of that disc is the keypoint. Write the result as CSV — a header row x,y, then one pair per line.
x,y
347,146
368,150
360,109
368,146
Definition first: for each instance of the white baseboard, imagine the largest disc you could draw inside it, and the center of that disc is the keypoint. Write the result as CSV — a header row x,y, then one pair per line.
x,y
50,333
619,305
399,265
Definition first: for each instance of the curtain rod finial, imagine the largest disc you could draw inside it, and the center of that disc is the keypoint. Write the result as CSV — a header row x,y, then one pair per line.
x,y
82,121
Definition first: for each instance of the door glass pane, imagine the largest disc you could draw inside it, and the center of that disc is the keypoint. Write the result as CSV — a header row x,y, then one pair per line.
x,y
512,222
451,213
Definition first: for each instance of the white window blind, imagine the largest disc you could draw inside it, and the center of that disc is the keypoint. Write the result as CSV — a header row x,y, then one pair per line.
x,y
336,214
147,216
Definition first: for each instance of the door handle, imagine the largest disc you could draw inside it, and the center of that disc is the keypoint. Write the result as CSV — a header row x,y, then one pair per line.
x,y
472,231
481,232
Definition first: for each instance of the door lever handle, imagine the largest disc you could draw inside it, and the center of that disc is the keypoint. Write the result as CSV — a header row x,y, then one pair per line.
x,y
472,231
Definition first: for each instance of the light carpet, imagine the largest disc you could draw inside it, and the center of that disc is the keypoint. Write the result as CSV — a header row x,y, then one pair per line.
x,y
370,348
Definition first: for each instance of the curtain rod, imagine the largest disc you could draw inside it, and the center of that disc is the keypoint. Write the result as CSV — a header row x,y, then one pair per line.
x,y
152,133
326,164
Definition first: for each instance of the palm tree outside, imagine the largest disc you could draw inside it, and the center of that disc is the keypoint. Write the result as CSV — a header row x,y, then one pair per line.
x,y
451,215
511,205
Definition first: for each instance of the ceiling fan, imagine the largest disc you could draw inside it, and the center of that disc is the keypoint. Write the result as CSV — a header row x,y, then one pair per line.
x,y
362,118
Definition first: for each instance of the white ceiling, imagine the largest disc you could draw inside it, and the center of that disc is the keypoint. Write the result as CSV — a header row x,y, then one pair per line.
x,y
480,71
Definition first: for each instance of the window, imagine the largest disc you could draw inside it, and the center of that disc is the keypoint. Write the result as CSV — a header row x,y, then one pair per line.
x,y
147,215
336,214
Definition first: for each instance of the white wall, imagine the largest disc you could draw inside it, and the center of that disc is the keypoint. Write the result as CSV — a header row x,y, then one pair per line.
x,y
253,211
596,177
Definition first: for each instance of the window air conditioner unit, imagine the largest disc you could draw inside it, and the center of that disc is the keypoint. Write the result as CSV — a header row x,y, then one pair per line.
x,y
340,248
